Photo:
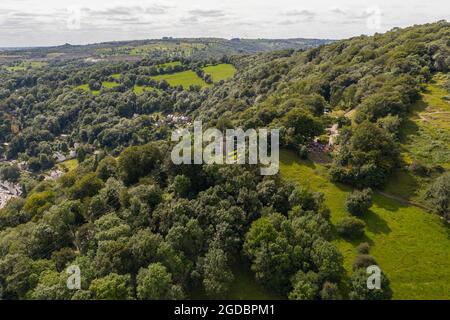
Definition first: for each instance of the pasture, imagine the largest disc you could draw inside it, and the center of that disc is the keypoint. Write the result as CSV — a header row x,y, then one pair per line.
x,y
141,89
409,244
184,79
220,72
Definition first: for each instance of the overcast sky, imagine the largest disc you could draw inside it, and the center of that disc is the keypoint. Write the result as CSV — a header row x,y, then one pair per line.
x,y
54,22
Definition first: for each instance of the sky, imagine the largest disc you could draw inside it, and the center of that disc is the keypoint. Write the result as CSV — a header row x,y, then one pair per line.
x,y
55,22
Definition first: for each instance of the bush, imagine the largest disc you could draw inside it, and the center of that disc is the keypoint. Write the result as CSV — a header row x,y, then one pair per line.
x,y
303,152
360,291
330,291
88,186
363,248
364,261
418,168
438,195
359,202
350,227
10,173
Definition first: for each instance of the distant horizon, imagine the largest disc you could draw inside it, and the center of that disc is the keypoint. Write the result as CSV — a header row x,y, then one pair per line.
x,y
48,23
160,39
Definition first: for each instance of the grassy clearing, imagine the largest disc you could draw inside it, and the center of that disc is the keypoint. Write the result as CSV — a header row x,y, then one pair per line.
x,y
184,79
220,72
245,286
169,64
27,65
141,89
116,76
170,48
109,85
410,244
105,85
426,134
68,165
425,137
85,87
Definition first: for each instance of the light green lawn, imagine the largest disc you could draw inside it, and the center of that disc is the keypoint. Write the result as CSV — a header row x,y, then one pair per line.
x,y
185,79
116,76
410,245
220,72
141,89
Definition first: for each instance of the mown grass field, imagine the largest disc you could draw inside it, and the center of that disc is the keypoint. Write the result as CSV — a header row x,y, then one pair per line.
x,y
220,72
184,79
410,245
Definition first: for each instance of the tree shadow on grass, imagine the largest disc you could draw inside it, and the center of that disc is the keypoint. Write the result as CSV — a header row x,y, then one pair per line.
x,y
354,241
388,204
375,223
408,126
288,157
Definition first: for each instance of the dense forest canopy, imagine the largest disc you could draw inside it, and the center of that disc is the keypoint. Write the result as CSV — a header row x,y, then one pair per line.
x,y
139,226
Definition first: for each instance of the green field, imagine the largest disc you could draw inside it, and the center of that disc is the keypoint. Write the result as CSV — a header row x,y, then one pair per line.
x,y
184,79
220,72
426,134
169,64
141,89
109,85
26,65
425,138
85,87
410,245
170,48
106,84
116,76
68,165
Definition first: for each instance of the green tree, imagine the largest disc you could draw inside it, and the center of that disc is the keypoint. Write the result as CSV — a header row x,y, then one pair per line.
x,y
438,195
112,287
359,202
155,283
217,277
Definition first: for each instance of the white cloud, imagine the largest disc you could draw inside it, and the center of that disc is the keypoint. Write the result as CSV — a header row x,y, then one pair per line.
x,y
45,22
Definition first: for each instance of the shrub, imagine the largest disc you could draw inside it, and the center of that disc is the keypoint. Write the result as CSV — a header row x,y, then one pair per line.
x,y
363,261
360,291
330,291
363,248
359,202
88,186
438,195
350,227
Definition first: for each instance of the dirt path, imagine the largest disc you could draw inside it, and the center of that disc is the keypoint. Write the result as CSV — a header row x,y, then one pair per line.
x,y
403,201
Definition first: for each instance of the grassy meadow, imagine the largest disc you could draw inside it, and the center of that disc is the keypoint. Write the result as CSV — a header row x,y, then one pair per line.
x,y
141,89
184,79
220,72
410,245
